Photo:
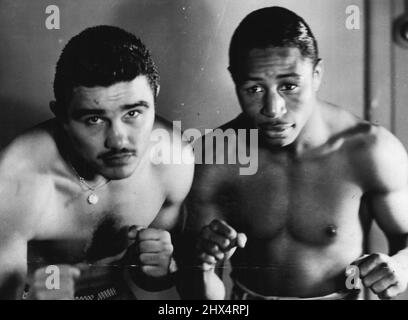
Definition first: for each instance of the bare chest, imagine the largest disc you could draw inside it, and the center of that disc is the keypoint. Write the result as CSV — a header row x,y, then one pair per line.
x,y
72,229
311,202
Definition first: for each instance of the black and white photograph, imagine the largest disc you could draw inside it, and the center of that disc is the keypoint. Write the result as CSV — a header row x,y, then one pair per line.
x,y
197,150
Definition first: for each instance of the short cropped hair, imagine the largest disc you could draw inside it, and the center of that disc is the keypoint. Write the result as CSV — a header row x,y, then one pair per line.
x,y
102,56
271,27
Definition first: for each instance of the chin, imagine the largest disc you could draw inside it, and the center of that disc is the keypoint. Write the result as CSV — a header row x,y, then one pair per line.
x,y
277,143
118,173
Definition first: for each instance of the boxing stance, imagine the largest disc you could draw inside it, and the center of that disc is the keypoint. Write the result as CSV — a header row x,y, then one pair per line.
x,y
293,229
85,204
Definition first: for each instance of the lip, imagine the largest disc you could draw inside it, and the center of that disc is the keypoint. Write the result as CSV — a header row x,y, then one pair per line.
x,y
276,131
276,126
116,160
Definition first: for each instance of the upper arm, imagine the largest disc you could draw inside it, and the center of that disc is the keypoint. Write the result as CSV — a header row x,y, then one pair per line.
x,y
13,244
177,180
388,193
19,201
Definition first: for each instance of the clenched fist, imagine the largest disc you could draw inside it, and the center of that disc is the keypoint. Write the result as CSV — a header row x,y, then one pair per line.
x,y
382,274
151,251
218,241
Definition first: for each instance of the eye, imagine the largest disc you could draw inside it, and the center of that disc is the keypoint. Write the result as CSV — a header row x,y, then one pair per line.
x,y
254,89
93,120
289,87
133,114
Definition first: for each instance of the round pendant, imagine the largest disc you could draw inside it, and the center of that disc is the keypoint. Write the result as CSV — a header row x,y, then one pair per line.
x,y
92,198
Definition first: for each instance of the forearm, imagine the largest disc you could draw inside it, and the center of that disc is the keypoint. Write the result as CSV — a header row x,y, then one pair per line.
x,y
213,286
151,283
195,283
399,250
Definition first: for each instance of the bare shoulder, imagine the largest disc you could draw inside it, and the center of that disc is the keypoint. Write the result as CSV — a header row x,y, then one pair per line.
x,y
217,159
378,156
23,184
386,160
173,159
30,150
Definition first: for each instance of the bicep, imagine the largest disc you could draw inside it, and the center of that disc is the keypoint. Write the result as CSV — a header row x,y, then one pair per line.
x,y
390,210
388,184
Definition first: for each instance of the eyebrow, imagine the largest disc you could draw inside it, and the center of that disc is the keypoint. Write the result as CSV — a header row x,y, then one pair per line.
x,y
94,111
279,76
289,75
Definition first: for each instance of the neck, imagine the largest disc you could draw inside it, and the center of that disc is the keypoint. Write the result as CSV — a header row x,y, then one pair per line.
x,y
76,164
82,170
314,134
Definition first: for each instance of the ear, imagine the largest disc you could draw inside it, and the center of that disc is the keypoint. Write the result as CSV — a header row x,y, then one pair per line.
x,y
232,74
53,107
157,90
317,74
56,110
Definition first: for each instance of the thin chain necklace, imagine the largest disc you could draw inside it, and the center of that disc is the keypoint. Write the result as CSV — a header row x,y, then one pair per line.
x,y
92,198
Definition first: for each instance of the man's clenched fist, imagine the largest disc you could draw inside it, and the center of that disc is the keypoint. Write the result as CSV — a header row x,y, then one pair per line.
x,y
218,241
151,251
382,274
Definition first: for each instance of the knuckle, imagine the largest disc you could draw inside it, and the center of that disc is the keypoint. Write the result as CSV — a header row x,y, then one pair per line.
x,y
232,233
166,236
202,256
379,286
392,275
220,255
141,233
376,288
208,258
214,248
393,278
146,269
168,248
386,294
225,242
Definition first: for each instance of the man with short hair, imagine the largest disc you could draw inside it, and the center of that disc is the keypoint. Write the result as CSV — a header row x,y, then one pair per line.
x,y
293,228
85,202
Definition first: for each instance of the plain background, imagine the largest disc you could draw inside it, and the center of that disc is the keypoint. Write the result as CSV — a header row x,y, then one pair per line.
x,y
364,68
189,41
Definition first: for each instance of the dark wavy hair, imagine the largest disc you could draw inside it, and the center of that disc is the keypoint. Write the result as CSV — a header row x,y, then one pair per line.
x,y
271,27
102,56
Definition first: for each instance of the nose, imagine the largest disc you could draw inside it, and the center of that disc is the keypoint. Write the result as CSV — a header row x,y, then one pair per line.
x,y
116,137
274,105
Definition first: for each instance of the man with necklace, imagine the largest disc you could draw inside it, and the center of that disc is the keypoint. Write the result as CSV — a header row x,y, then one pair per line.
x,y
86,205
